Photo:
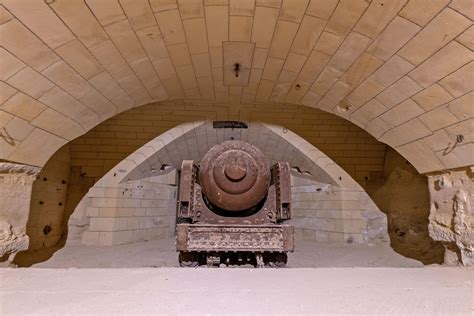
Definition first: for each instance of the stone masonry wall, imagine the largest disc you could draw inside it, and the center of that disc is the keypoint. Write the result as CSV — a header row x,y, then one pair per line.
x,y
134,211
326,213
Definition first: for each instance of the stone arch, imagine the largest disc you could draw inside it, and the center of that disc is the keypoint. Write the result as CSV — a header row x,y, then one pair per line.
x,y
126,204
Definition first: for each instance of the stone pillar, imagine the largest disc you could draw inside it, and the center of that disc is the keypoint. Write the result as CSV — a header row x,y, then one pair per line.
x,y
452,214
16,181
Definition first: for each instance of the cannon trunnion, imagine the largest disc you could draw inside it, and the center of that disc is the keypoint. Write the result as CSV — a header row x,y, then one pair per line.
x,y
231,208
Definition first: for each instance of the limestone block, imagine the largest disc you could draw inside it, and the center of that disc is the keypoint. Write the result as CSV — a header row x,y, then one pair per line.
x,y
196,35
147,75
445,61
460,82
163,5
242,7
90,238
37,16
62,102
451,217
350,50
366,91
347,13
377,16
101,105
422,11
325,80
328,43
126,41
187,77
467,38
308,33
432,97
367,112
104,83
191,9
272,68
463,6
321,8
461,155
421,156
240,28
442,29
462,107
217,21
18,128
439,140
18,40
397,34
111,59
361,69
135,89
6,92
263,26
99,224
293,10
402,134
463,128
283,36
438,118
23,106
402,113
107,11
139,13
265,3
65,77
115,238
76,14
5,16
336,237
36,148
153,43
399,91
179,54
9,65
76,55
30,82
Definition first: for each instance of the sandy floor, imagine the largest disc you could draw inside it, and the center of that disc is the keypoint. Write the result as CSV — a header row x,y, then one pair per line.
x,y
171,291
161,253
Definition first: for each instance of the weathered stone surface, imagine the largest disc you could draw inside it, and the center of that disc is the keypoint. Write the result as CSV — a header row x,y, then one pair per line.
x,y
451,214
402,194
15,191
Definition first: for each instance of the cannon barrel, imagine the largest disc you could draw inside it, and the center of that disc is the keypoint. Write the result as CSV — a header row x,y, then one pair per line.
x,y
234,176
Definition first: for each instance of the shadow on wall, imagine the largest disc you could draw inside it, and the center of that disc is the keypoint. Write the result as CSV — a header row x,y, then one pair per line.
x,y
403,194
56,192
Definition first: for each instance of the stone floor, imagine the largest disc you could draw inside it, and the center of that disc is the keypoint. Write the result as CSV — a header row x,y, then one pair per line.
x,y
171,291
161,253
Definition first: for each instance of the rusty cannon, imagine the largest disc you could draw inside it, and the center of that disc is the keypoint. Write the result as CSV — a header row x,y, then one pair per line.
x,y
231,208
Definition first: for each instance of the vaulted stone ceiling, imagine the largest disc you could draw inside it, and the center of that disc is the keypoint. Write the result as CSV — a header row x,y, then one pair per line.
x,y
400,69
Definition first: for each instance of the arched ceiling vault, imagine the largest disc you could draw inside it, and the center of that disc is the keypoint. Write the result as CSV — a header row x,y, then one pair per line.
x,y
400,69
